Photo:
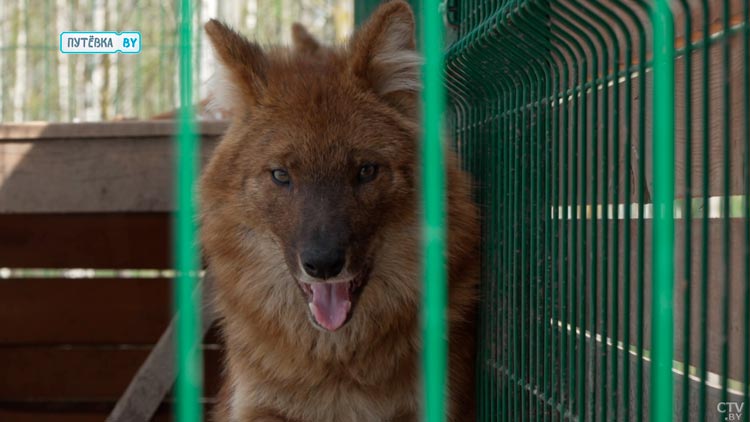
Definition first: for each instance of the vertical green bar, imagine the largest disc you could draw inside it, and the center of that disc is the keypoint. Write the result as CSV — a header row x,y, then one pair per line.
x,y
189,356
433,180
363,9
662,334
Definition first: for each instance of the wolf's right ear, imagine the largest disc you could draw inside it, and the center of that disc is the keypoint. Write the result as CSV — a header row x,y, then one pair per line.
x,y
384,55
303,40
240,77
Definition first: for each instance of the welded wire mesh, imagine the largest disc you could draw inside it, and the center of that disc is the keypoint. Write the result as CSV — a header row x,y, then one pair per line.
x,y
552,111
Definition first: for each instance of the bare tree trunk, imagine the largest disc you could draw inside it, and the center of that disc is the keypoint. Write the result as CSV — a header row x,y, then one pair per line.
x,y
20,89
63,63
51,63
7,36
104,98
74,64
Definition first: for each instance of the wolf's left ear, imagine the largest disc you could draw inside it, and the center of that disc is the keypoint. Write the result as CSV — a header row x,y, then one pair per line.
x,y
303,41
240,77
384,56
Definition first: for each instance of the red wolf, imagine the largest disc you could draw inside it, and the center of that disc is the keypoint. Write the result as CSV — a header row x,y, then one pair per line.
x,y
311,227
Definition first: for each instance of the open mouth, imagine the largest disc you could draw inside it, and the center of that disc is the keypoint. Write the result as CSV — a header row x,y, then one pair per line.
x,y
331,304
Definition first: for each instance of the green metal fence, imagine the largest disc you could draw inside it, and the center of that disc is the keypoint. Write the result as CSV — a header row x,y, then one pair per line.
x,y
435,277
609,141
186,299
614,287
610,144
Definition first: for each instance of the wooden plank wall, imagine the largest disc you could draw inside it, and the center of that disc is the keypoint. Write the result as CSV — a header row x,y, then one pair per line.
x,y
85,196
688,234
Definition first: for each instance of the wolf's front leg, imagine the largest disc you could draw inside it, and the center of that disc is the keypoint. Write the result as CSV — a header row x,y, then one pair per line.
x,y
231,408
256,416
409,417
264,416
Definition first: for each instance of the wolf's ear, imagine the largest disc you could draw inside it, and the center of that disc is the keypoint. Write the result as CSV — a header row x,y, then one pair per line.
x,y
384,55
240,77
302,40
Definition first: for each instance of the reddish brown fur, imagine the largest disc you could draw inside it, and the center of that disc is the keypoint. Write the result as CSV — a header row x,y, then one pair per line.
x,y
320,118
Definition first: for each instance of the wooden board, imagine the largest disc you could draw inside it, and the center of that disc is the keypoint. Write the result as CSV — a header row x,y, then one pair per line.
x,y
42,413
97,311
79,374
714,282
75,412
121,240
641,109
91,167
98,130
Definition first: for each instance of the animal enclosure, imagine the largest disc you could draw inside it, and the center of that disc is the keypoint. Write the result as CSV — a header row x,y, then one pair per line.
x,y
609,143
86,192
85,248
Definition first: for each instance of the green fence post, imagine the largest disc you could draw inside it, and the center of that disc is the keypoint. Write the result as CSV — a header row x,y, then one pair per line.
x,y
662,334
433,180
189,355
363,9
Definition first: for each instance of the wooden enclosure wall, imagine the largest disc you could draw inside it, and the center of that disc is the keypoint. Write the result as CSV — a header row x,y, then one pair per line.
x,y
85,196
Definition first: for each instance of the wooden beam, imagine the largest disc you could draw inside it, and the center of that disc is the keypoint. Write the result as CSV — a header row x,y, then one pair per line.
x,y
91,167
155,377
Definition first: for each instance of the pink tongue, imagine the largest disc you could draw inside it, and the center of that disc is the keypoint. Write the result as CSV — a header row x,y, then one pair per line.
x,y
330,304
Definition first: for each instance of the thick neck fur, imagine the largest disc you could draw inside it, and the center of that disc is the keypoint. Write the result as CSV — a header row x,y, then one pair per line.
x,y
257,294
320,113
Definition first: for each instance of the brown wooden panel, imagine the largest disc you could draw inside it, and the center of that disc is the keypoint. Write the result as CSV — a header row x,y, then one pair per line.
x,y
70,311
42,413
714,281
629,130
92,167
116,240
78,374
74,412
131,311
90,175
103,130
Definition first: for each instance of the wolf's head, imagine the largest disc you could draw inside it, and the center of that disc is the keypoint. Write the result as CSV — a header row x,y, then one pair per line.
x,y
321,153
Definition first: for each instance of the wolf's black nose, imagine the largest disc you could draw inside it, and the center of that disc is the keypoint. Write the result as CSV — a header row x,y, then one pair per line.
x,y
323,264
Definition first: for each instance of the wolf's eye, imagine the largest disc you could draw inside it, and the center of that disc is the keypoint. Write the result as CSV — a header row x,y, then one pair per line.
x,y
280,176
367,173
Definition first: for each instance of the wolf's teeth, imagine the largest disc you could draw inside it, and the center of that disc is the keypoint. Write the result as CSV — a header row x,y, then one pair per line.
x,y
310,305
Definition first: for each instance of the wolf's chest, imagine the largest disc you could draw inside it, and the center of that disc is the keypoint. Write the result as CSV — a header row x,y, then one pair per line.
x,y
328,401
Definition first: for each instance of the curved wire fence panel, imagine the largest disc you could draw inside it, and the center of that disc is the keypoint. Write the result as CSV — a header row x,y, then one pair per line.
x,y
582,137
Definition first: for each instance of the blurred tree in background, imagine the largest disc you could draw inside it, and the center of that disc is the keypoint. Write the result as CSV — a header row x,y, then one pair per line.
x,y
37,82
